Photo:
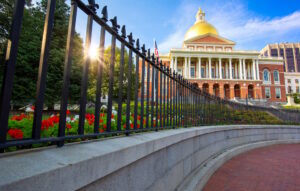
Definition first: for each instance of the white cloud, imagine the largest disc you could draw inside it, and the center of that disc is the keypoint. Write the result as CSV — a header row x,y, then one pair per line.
x,y
235,22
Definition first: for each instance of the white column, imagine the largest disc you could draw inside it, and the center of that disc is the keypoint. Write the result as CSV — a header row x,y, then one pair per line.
x,y
220,68
175,66
240,69
244,69
230,68
257,70
172,63
226,70
185,67
189,69
253,69
206,69
209,68
199,68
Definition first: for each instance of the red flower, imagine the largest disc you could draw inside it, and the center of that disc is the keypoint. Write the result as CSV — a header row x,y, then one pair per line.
x,y
101,120
139,117
32,107
54,119
101,130
69,126
19,117
46,123
131,126
102,114
90,118
104,126
68,112
15,133
138,126
112,115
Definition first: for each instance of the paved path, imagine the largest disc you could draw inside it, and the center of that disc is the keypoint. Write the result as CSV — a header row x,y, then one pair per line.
x,y
273,168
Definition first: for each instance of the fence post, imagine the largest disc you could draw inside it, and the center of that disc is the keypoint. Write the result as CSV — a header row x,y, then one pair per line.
x,y
9,70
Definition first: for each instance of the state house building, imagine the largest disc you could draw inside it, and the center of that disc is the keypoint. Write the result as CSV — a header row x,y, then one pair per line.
x,y
211,61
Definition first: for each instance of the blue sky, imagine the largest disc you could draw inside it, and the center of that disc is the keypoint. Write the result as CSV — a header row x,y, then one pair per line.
x,y
250,23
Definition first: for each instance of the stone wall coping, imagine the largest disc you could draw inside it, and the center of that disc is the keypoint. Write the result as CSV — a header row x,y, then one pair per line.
x,y
90,161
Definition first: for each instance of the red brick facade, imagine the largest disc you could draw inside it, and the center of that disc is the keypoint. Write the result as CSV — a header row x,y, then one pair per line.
x,y
236,88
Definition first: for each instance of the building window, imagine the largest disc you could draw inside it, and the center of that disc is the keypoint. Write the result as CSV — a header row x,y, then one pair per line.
x,y
274,52
290,89
290,59
278,93
297,81
289,81
297,89
268,92
213,75
266,75
192,72
202,72
276,77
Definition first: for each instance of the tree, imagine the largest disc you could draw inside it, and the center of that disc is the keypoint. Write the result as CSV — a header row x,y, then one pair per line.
x,y
105,77
29,54
6,14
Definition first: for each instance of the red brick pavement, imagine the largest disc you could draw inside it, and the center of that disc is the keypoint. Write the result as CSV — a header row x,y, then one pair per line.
x,y
273,168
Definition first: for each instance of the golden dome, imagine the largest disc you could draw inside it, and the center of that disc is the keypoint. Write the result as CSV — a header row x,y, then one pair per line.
x,y
201,27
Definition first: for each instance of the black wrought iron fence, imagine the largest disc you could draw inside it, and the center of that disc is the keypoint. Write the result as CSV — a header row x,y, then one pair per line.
x,y
162,98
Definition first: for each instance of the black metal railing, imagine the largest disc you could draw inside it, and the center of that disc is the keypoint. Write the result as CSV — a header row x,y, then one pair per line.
x,y
162,98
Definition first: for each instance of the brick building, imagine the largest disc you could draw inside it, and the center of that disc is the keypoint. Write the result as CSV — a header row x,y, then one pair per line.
x,y
212,62
290,52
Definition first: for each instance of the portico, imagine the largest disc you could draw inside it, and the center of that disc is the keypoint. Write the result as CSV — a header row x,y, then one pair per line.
x,y
213,67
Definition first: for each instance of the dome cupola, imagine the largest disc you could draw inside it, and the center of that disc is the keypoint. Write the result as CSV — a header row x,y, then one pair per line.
x,y
201,27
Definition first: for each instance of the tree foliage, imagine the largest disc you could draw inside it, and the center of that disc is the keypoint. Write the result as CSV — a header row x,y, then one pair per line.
x,y
105,77
29,51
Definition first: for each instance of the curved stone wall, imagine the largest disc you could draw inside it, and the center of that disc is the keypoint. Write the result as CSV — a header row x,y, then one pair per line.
x,y
166,160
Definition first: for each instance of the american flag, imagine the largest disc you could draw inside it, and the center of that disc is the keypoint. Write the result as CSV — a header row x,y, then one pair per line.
x,y
156,50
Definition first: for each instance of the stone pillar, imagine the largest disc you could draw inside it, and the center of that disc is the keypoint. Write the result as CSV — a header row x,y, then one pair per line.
x,y
172,63
257,70
189,67
244,69
209,68
206,69
199,67
175,64
220,68
226,70
230,68
185,68
253,69
240,69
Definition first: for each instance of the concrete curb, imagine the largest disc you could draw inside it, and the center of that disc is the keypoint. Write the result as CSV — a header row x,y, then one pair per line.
x,y
101,163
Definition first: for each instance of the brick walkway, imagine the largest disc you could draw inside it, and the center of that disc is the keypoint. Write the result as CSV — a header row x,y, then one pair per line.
x,y
273,168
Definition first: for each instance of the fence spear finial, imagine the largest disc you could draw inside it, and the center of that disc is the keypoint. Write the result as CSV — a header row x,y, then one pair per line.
x,y
93,6
137,44
123,31
130,38
104,14
144,50
114,23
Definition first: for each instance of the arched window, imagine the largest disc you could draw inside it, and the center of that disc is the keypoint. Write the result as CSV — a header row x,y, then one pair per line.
x,y
266,75
276,76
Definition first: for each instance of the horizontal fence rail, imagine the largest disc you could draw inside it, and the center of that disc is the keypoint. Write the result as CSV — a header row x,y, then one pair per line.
x,y
162,98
